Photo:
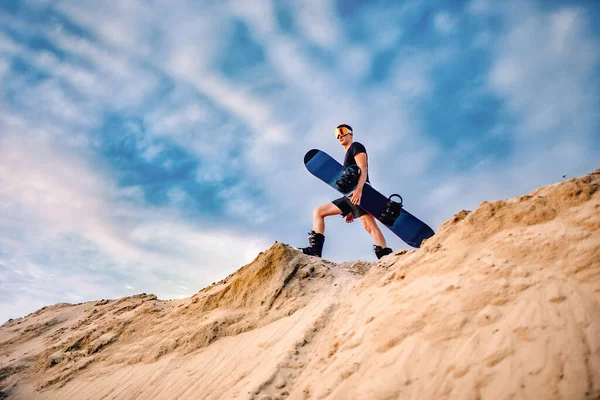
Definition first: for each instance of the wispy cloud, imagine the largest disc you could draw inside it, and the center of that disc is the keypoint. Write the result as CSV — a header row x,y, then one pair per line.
x,y
445,23
544,69
318,22
64,217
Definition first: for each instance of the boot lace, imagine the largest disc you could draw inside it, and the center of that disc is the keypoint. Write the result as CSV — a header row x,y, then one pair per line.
x,y
312,239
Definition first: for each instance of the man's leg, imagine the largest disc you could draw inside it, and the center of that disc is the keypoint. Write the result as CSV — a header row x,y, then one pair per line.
x,y
380,248
316,237
371,227
319,214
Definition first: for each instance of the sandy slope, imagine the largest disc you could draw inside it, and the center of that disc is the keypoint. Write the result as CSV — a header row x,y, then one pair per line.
x,y
504,302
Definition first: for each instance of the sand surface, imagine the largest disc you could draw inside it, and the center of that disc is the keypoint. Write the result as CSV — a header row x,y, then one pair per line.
x,y
502,303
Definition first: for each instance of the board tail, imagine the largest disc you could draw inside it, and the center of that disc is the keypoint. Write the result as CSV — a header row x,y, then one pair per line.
x,y
424,232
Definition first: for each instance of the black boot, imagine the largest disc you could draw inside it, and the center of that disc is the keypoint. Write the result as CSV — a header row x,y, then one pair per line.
x,y
380,252
316,241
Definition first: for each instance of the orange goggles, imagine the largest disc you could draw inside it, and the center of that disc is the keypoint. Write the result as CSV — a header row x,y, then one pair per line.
x,y
342,131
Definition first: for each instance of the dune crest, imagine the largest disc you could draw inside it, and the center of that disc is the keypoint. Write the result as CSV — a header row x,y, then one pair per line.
x,y
503,302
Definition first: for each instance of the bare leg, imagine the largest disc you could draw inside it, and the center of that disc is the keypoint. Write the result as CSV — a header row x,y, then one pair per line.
x,y
324,210
371,227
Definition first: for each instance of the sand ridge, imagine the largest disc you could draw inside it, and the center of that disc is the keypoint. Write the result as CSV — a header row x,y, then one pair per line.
x,y
503,302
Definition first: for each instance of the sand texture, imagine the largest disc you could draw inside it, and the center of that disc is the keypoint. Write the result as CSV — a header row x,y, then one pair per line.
x,y
502,303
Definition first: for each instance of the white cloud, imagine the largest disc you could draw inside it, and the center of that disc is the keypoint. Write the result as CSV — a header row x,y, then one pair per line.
x,y
186,118
238,204
150,152
412,70
7,45
197,127
52,201
483,39
564,27
445,23
251,109
55,188
356,62
544,69
482,7
209,249
177,196
214,171
124,24
4,67
385,26
310,83
113,79
262,11
181,110
39,4
51,102
49,97
318,21
255,112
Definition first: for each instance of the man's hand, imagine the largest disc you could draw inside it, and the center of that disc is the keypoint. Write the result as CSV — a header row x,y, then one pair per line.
x,y
349,218
355,195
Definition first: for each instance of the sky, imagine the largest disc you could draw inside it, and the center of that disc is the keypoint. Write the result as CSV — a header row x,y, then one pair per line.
x,y
156,146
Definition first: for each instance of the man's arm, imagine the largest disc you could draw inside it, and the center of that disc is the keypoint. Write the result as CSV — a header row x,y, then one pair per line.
x,y
361,161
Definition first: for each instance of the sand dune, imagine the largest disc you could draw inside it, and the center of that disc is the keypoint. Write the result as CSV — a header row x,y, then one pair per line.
x,y
503,302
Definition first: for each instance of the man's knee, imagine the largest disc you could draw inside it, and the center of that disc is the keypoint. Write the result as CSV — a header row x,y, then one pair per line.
x,y
317,212
321,211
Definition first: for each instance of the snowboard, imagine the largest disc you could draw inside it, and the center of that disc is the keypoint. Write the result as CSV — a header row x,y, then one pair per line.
x,y
405,225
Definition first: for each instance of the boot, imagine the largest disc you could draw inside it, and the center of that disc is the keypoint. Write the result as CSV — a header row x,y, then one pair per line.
x,y
316,241
380,252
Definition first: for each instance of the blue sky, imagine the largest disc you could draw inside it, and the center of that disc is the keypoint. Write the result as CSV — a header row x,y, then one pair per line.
x,y
156,146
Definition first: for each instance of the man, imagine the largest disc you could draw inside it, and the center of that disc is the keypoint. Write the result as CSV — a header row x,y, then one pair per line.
x,y
356,154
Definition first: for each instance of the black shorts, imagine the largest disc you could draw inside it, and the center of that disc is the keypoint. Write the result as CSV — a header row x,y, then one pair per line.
x,y
344,204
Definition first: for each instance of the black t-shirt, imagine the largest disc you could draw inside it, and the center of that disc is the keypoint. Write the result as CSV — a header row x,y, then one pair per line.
x,y
354,149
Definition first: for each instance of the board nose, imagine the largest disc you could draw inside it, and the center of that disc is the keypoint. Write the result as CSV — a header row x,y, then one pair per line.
x,y
309,155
